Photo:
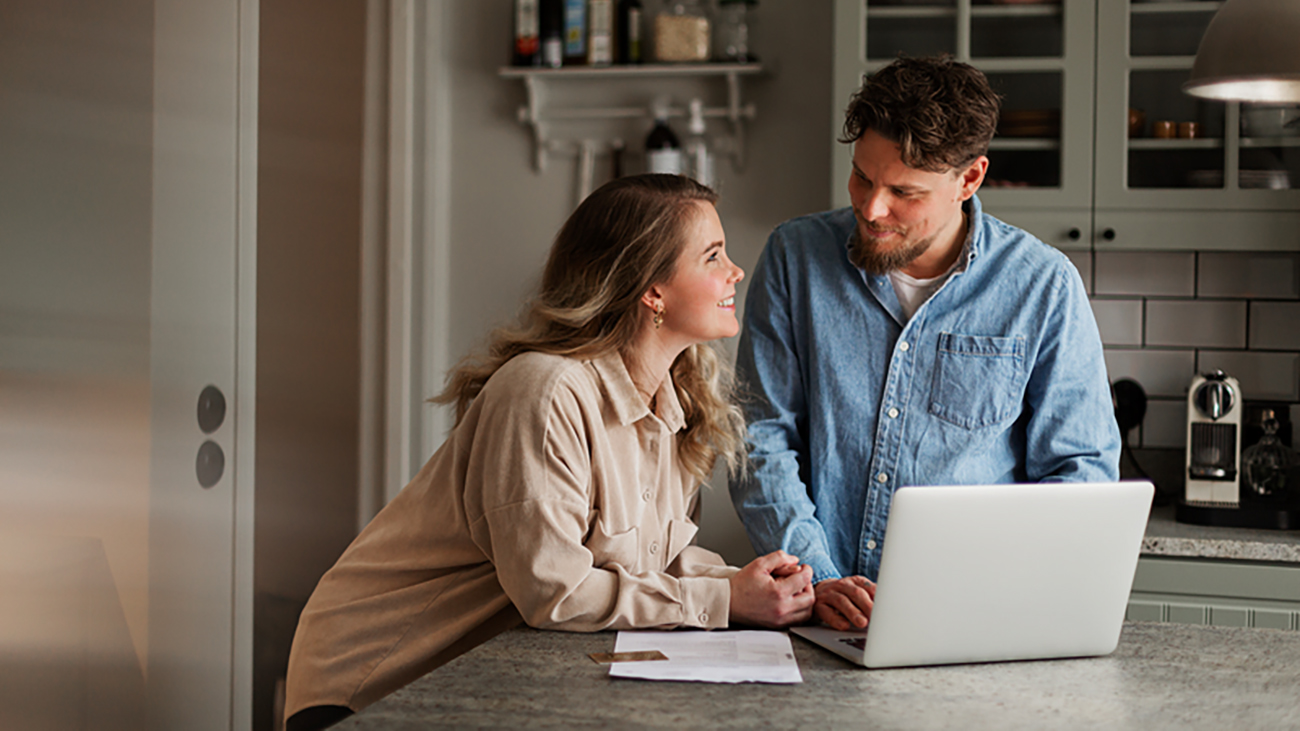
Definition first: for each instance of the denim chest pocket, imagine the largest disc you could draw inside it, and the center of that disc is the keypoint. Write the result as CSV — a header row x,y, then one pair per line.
x,y
978,379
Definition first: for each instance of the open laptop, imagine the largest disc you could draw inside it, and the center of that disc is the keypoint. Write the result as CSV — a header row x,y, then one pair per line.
x,y
983,573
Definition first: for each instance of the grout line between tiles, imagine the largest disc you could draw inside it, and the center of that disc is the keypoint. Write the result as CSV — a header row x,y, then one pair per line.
x,y
1196,275
1144,322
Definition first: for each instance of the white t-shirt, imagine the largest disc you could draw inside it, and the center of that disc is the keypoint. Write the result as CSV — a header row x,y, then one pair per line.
x,y
913,292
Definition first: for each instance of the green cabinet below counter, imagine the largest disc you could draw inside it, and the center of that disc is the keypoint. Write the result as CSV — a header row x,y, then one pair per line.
x,y
1224,593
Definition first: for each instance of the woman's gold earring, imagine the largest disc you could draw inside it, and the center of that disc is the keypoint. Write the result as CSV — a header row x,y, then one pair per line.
x,y
659,315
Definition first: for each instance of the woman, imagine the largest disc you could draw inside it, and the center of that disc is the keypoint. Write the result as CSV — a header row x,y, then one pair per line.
x,y
564,495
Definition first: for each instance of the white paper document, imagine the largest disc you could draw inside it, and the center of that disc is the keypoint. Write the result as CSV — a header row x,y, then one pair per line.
x,y
743,656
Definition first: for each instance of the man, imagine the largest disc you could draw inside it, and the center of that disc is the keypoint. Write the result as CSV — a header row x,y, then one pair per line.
x,y
910,340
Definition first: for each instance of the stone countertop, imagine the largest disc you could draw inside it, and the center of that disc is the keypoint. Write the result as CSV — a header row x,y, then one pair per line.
x,y
1162,676
1166,537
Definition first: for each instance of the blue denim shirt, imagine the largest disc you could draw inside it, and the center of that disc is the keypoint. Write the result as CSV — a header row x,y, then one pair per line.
x,y
997,378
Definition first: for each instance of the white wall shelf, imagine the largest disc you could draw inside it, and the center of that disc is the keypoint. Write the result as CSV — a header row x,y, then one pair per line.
x,y
540,115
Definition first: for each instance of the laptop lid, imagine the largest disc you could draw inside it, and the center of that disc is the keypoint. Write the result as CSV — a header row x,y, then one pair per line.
x,y
980,573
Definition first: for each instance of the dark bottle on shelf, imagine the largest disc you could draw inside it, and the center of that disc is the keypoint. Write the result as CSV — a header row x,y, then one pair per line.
x,y
663,151
527,48
551,23
630,35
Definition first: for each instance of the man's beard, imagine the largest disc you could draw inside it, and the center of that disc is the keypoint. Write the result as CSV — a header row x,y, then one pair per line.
x,y
870,258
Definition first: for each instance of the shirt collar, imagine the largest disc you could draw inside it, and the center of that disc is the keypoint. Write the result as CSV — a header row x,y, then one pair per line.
x,y
627,402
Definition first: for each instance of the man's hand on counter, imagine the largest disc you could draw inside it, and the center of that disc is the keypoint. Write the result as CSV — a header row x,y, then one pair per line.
x,y
845,603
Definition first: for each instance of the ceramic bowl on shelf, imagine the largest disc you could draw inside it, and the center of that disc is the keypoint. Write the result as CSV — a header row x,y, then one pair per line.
x,y
1260,120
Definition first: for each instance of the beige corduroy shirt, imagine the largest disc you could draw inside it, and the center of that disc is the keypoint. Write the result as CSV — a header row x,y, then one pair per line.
x,y
558,499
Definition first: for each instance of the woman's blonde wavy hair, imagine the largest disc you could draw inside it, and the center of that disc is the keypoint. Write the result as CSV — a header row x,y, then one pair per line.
x,y
624,238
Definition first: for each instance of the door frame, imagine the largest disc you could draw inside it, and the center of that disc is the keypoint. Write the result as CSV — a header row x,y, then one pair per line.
x,y
418,222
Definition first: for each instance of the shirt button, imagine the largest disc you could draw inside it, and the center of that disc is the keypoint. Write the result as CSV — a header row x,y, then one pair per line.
x,y
704,618
904,346
646,496
893,413
882,477
654,548
871,545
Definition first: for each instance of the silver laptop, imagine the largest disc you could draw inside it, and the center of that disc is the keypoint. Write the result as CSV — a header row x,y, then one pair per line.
x,y
984,573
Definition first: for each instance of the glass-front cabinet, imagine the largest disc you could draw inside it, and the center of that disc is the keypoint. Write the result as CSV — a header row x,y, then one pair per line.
x,y
1174,171
1097,144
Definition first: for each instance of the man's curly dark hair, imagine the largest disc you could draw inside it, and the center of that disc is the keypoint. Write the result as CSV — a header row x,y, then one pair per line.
x,y
940,112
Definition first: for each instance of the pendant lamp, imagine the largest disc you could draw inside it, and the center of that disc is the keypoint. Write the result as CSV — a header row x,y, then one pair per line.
x,y
1250,53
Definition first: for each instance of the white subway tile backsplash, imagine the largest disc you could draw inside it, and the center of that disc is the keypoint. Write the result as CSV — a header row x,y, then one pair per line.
x,y
1262,375
1082,261
1165,316
1160,372
1196,323
1275,325
1120,321
1165,425
1150,273
1257,274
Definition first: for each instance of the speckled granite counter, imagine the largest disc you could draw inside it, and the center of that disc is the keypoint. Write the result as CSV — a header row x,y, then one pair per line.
x,y
1162,677
1165,537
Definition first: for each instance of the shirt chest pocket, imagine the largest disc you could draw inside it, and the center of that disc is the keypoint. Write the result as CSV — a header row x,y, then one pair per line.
x,y
609,548
979,380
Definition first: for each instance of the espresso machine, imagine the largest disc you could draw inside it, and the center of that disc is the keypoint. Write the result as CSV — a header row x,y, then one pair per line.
x,y
1226,485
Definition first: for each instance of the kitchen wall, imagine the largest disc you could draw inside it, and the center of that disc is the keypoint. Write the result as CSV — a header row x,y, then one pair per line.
x,y
1166,316
504,213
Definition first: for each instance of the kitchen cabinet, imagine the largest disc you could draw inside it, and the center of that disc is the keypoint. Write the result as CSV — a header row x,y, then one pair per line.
x,y
1063,164
1216,592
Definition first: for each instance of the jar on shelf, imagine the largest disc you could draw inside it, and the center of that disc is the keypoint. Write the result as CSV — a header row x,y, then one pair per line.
x,y
732,34
682,33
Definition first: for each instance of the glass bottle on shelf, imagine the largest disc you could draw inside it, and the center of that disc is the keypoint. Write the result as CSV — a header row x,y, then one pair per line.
x,y
526,50
575,32
699,158
551,23
1266,464
733,31
600,32
682,33
631,32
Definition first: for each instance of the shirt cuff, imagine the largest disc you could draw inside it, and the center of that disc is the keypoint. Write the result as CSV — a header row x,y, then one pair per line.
x,y
706,602
823,568
696,561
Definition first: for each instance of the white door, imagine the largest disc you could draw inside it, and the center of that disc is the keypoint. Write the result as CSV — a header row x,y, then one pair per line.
x,y
203,315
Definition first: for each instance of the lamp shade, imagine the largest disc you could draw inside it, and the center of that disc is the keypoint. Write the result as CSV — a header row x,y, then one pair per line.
x,y
1250,53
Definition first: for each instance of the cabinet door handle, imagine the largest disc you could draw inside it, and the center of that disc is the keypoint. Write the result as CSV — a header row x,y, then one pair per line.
x,y
1108,234
1074,234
